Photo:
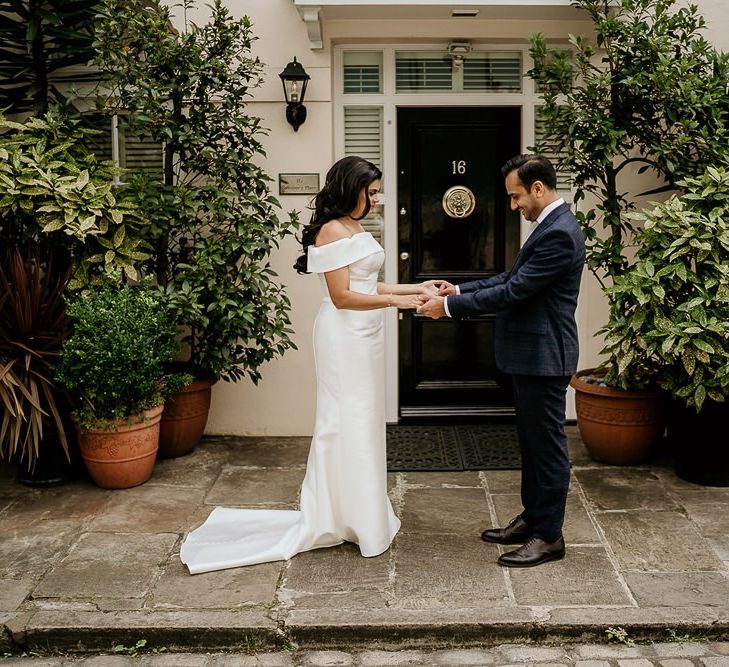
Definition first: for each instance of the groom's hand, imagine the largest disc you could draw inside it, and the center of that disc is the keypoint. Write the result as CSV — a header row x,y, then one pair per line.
x,y
446,289
439,287
433,307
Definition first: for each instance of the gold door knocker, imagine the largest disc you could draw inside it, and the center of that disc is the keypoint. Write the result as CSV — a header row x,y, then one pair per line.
x,y
458,202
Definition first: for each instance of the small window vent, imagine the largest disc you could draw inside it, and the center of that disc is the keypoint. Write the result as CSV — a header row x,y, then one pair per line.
x,y
417,73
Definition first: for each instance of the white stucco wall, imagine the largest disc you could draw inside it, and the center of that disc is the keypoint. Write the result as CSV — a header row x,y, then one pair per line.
x,y
283,403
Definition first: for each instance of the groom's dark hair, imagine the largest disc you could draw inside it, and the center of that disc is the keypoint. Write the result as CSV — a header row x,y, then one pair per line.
x,y
530,168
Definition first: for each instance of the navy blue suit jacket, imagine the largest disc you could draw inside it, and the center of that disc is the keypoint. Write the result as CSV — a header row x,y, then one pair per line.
x,y
535,301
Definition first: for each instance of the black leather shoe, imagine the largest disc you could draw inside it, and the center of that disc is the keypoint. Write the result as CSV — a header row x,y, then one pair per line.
x,y
535,552
517,532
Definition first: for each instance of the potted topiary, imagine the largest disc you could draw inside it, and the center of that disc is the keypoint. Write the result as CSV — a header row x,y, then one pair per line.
x,y
670,315
214,219
651,95
113,367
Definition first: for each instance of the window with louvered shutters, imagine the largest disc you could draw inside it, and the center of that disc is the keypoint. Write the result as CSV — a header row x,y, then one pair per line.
x,y
363,137
140,153
135,153
363,133
362,72
550,151
422,72
493,72
100,144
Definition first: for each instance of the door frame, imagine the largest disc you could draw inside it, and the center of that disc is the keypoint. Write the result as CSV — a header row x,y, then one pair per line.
x,y
389,101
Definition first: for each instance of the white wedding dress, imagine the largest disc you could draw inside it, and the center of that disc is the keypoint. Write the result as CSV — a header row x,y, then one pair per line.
x,y
344,492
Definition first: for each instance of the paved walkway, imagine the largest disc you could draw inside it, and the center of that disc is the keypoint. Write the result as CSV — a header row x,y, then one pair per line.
x,y
85,568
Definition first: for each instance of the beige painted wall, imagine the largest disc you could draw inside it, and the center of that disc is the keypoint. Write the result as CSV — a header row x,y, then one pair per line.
x,y
284,402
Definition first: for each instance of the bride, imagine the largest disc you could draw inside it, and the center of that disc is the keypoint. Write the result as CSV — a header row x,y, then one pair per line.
x,y
344,492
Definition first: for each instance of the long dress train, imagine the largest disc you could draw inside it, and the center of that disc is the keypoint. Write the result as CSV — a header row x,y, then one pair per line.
x,y
344,492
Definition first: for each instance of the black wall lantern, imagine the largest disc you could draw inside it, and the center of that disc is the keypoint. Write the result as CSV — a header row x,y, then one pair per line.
x,y
295,79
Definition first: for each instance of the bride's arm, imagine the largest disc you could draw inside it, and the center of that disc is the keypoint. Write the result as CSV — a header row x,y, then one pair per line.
x,y
427,288
344,298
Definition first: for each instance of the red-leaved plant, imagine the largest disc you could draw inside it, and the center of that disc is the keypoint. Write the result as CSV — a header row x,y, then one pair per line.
x,y
33,326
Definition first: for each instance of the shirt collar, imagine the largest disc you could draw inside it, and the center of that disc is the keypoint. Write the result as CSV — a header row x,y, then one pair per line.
x,y
549,208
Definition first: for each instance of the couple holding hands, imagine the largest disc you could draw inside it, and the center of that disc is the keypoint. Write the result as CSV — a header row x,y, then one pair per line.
x,y
344,492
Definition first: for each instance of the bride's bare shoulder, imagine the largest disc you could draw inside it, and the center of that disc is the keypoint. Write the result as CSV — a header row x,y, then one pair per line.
x,y
331,231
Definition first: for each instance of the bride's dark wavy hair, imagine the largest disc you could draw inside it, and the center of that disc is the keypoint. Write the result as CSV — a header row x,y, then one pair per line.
x,y
338,198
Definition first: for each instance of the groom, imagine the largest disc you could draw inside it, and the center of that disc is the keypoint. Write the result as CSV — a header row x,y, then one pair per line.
x,y
536,343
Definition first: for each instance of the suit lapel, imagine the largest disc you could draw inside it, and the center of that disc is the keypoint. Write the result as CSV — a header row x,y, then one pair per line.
x,y
542,227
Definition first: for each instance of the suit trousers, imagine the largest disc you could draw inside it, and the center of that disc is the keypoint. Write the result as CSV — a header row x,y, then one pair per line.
x,y
545,475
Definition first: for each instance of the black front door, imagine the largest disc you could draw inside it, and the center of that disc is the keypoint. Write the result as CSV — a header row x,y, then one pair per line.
x,y
455,224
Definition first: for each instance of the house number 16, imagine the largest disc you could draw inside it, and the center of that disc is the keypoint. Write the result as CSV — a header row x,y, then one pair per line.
x,y
459,167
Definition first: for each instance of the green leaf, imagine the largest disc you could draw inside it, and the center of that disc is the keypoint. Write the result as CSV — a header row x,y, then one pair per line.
x,y
53,226
119,237
699,396
704,346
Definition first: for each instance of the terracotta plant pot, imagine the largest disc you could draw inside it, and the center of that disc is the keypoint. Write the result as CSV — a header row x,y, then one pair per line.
x,y
618,427
122,458
184,419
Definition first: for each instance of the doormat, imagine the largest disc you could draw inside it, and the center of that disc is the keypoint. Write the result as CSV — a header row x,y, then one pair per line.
x,y
457,447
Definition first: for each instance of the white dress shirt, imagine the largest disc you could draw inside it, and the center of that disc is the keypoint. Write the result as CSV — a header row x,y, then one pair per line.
x,y
545,212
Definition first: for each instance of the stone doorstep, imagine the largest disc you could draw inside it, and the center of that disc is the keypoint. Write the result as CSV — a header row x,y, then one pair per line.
x,y
226,631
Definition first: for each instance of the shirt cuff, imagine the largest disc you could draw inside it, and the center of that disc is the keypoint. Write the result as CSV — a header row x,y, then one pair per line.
x,y
458,289
445,306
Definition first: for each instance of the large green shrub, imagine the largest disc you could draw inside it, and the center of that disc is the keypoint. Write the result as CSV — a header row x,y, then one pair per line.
x,y
647,91
56,194
214,221
113,363
670,309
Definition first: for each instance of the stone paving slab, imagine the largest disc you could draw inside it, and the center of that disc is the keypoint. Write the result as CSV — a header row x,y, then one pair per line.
x,y
107,565
443,572
238,486
441,510
663,541
13,592
585,578
676,589
624,489
336,569
30,550
200,471
228,589
271,452
149,509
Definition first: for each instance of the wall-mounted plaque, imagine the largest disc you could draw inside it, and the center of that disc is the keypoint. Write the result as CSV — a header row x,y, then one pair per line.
x,y
298,184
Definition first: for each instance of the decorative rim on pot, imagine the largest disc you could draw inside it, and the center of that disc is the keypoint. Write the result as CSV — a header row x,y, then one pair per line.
x,y
151,416
590,388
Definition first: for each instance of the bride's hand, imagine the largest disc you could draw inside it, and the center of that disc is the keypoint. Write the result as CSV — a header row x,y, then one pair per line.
x,y
429,287
408,301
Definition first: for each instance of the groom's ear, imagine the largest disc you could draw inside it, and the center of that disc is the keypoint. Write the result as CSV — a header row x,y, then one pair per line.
x,y
537,189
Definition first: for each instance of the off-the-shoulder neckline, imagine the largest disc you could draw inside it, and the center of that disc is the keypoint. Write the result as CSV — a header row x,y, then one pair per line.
x,y
344,238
